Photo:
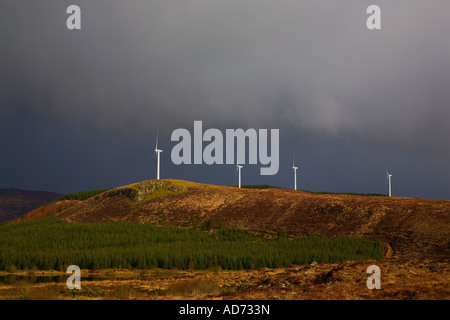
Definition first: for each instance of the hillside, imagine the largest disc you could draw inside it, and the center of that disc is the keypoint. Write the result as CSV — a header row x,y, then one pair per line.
x,y
15,202
412,227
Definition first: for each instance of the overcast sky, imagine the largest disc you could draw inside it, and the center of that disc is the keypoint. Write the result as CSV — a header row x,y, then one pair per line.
x,y
80,109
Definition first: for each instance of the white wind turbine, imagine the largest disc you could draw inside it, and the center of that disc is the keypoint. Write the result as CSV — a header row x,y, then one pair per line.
x,y
238,168
389,176
295,174
158,152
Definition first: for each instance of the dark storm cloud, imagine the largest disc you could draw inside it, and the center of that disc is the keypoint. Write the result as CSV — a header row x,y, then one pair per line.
x,y
310,68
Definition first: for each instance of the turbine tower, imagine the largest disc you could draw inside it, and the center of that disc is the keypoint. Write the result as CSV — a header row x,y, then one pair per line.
x,y
238,167
389,176
295,174
158,152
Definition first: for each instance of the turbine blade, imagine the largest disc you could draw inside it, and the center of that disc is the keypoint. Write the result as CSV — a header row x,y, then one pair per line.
x,y
157,133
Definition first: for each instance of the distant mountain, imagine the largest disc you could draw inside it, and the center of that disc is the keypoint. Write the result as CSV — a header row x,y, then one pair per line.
x,y
15,202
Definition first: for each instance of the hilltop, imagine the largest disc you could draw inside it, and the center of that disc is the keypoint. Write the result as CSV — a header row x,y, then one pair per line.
x,y
15,202
412,227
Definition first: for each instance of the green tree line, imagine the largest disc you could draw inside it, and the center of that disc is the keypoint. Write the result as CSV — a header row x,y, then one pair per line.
x,y
82,195
50,243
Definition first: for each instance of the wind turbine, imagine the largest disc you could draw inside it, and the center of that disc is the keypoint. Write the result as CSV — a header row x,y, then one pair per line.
x,y
295,173
389,176
238,168
158,152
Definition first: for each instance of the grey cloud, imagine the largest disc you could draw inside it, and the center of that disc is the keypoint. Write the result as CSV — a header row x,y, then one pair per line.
x,y
306,67
229,59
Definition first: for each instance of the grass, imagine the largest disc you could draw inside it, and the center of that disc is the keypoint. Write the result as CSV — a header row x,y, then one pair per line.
x,y
258,186
266,186
345,281
158,193
138,192
192,287
151,189
82,195
348,193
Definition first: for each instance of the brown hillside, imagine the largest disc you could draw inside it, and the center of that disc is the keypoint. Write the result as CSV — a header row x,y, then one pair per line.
x,y
50,209
411,226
